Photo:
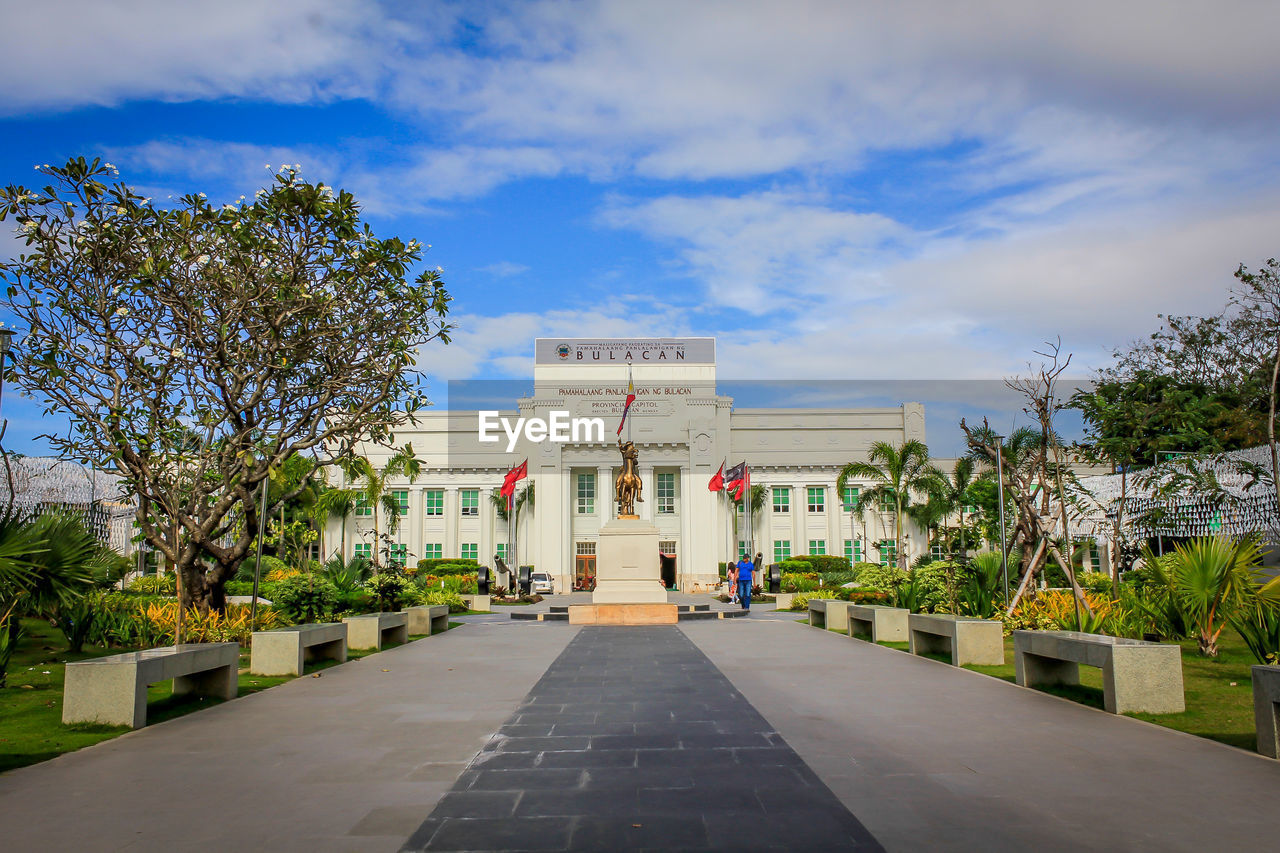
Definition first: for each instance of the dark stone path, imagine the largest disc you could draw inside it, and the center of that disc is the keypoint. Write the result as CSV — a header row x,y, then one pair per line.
x,y
633,739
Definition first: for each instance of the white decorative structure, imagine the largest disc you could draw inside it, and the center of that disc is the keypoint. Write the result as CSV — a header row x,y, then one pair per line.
x,y
627,569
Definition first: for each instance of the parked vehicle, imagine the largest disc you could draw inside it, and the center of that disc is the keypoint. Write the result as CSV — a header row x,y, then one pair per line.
x,y
541,583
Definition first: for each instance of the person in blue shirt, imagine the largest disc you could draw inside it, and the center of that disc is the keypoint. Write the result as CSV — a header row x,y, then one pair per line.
x,y
745,568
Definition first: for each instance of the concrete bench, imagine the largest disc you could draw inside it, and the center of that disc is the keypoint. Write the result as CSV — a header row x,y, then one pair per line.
x,y
477,602
371,630
1266,709
879,622
965,638
113,690
782,600
428,618
285,651
1137,675
829,613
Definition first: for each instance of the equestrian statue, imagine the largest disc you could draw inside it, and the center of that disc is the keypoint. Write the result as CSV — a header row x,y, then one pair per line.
x,y
626,488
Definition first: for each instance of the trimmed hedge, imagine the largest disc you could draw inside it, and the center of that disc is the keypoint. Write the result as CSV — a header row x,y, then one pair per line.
x,y
822,563
435,562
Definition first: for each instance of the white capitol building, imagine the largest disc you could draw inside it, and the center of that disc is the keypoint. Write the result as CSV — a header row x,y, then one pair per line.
x,y
683,430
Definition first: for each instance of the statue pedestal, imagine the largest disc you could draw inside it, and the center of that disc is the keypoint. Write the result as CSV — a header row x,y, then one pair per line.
x,y
627,564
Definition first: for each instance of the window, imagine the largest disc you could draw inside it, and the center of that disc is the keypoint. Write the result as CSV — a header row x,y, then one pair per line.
x,y
849,500
432,551
666,491
502,551
782,499
970,509
743,548
399,554
888,552
667,546
586,549
1095,558
362,507
853,550
887,502
435,501
937,552
817,546
781,550
470,551
363,549
470,501
586,494
402,500
817,499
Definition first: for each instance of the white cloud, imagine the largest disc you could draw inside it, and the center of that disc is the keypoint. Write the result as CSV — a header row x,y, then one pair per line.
x,y
765,251
67,53
504,269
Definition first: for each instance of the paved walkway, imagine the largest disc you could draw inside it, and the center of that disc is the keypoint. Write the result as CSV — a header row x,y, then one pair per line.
x,y
634,740
921,755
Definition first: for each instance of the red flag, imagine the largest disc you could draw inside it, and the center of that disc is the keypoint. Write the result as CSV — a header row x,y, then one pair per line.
x,y
744,485
717,482
514,476
631,398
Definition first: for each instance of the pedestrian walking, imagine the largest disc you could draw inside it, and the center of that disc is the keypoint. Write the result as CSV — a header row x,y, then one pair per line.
x,y
744,582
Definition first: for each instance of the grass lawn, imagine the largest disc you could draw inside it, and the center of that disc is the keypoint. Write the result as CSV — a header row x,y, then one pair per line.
x,y
1215,708
31,728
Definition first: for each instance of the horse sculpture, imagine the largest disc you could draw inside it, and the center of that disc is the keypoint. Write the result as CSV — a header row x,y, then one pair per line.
x,y
626,488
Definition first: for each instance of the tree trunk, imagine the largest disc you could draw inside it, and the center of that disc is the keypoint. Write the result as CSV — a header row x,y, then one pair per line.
x,y
1071,578
1028,575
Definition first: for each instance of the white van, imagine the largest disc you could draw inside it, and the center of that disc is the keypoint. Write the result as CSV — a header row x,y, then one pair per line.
x,y
540,582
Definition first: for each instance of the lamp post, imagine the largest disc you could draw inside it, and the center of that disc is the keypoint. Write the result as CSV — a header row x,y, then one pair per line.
x,y
1004,555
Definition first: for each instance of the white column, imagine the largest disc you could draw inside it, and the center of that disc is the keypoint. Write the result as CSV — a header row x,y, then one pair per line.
x,y
688,547
452,511
834,510
604,495
646,509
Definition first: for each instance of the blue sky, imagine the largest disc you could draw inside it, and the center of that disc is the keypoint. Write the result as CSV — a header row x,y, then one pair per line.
x,y
835,190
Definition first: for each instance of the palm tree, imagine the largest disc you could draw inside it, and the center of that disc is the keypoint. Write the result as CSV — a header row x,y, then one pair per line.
x,y
756,501
376,490
524,498
951,494
334,502
899,472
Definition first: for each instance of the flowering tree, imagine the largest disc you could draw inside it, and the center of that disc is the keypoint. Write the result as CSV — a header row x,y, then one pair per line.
x,y
197,348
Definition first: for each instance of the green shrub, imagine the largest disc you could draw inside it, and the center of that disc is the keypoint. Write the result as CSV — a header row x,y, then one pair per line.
x,y
822,563
798,583
269,564
876,576
306,598
801,601
452,569
839,578
1095,582
430,565
859,568
438,596
165,584
926,589
389,591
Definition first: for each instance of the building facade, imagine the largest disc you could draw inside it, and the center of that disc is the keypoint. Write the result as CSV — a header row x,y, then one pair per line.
x,y
683,429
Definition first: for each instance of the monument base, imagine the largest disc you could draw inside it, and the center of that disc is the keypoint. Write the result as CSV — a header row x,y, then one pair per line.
x,y
623,614
627,568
